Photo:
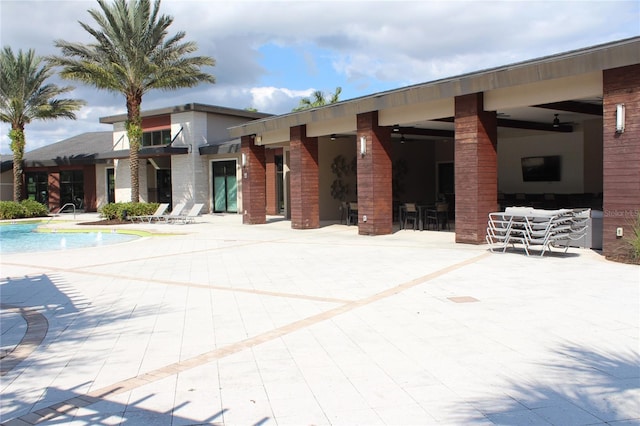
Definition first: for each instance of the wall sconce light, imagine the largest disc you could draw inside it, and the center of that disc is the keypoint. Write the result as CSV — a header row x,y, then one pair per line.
x,y
396,127
619,118
363,145
333,137
244,160
258,139
402,139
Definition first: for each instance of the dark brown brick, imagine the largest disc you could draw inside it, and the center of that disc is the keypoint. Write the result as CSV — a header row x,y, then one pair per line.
x,y
621,157
375,198
476,167
253,182
304,180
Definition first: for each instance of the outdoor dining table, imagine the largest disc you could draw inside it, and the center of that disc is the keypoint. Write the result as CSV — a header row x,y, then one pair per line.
x,y
422,209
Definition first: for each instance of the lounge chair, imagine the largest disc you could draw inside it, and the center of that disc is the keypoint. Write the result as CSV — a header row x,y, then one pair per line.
x,y
177,211
162,208
189,217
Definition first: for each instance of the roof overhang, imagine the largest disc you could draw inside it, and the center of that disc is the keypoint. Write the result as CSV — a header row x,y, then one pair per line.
x,y
228,147
145,152
566,65
74,160
191,107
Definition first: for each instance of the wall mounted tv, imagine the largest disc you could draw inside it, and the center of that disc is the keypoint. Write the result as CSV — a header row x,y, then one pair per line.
x,y
541,169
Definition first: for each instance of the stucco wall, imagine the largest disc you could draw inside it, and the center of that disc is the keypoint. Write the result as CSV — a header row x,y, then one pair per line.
x,y
567,145
593,156
328,150
123,181
189,173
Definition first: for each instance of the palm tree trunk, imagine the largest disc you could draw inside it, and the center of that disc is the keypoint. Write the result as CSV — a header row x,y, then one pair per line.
x,y
17,146
134,132
135,181
17,180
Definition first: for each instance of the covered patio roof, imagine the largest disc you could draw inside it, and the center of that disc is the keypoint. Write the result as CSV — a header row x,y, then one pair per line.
x,y
572,82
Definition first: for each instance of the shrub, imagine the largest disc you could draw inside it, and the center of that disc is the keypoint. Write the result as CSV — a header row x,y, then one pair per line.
x,y
33,208
25,208
635,240
113,211
10,210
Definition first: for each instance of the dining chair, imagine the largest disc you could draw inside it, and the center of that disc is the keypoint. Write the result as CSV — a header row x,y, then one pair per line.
x,y
344,212
411,214
431,218
438,216
442,216
352,217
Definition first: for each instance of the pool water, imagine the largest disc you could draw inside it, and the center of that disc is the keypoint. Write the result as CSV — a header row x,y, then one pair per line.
x,y
23,238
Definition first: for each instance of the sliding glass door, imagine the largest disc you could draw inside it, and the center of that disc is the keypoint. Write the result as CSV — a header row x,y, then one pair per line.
x,y
225,187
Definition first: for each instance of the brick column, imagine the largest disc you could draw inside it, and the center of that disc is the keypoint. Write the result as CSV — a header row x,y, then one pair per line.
x,y
305,180
476,167
253,182
271,192
375,172
621,158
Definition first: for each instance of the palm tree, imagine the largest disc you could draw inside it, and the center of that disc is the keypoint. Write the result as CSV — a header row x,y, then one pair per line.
x,y
319,99
132,55
25,97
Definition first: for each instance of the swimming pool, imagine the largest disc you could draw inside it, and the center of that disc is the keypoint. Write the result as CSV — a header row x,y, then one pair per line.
x,y
23,238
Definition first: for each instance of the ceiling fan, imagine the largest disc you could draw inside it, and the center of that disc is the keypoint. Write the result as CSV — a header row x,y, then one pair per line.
x,y
557,123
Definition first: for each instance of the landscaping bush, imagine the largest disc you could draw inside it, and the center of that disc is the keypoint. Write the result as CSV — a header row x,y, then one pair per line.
x,y
10,210
25,208
113,211
635,240
33,208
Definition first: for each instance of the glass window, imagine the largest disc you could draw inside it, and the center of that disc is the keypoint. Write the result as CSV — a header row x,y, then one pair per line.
x,y
72,188
156,138
37,187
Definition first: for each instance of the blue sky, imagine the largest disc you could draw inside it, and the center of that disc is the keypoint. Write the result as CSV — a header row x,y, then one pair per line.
x,y
272,53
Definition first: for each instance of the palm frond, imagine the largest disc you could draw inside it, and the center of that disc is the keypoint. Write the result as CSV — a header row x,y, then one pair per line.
x,y
25,96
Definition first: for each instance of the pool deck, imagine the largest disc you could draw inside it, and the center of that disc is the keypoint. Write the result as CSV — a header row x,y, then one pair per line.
x,y
221,323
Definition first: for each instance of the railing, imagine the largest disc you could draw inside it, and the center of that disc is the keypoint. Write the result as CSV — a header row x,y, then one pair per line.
x,y
68,204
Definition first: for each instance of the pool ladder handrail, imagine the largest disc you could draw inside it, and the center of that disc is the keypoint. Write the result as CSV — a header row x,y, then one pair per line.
x,y
63,207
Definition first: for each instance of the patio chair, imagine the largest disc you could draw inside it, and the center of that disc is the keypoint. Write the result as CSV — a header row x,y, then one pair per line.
x,y
352,216
344,212
438,216
162,208
410,214
189,217
177,211
442,213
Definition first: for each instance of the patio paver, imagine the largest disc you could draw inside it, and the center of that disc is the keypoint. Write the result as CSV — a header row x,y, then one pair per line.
x,y
223,323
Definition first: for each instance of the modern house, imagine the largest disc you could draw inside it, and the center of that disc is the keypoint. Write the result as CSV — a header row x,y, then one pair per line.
x,y
557,131
186,156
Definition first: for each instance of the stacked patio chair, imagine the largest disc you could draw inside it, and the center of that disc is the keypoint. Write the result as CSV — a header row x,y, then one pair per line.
x,y
529,227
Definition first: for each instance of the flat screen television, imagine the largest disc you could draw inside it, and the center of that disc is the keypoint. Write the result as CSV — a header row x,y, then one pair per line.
x,y
541,169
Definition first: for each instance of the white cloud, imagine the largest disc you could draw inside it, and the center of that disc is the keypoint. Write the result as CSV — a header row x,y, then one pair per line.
x,y
372,45
279,100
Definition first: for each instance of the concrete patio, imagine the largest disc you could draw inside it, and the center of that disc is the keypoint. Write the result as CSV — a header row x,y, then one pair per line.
x,y
222,323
